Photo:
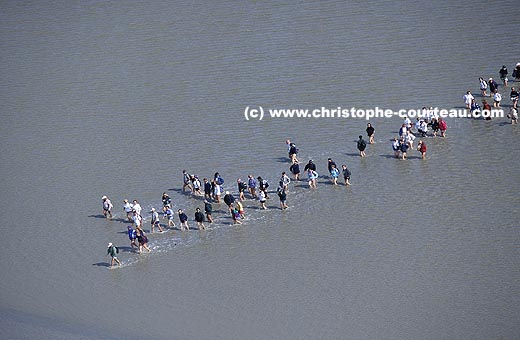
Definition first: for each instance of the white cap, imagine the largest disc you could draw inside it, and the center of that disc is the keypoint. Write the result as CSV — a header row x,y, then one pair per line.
x,y
227,192
110,244
104,198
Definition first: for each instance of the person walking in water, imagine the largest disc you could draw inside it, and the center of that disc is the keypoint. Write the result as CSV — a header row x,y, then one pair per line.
x,y
293,151
346,174
483,87
370,133
468,98
107,207
113,251
242,187
128,208
361,145
184,220
421,147
334,172
166,200
132,236
262,199
143,241
295,170
312,177
443,127
199,218
208,209
396,146
252,184
155,221
235,215
285,181
503,75
283,198
168,214
186,180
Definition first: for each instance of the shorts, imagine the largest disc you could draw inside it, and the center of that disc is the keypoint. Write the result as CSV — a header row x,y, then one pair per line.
x,y
154,222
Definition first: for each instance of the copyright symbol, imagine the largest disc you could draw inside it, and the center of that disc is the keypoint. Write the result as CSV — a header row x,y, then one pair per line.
x,y
254,113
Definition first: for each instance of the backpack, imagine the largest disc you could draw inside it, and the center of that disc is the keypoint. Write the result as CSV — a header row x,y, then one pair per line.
x,y
117,250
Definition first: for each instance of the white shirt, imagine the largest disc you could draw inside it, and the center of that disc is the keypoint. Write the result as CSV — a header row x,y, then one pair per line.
x,y
497,97
137,208
128,207
468,98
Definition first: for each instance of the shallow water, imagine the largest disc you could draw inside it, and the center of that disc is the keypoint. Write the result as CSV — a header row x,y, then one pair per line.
x,y
116,99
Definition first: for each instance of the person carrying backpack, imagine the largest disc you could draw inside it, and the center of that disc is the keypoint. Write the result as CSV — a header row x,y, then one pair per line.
x,y
361,145
113,251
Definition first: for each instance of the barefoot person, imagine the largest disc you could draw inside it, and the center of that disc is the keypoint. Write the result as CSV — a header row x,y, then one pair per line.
x,y
186,180
312,177
168,214
396,146
295,170
283,198
208,209
143,241
184,220
251,184
262,199
107,207
113,251
242,187
155,221
370,133
132,236
199,218
361,145
346,174
421,147
334,172
128,208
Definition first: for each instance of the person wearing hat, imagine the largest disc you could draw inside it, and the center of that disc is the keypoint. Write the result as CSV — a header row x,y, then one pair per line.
x,y
107,207
113,251
155,221
229,200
